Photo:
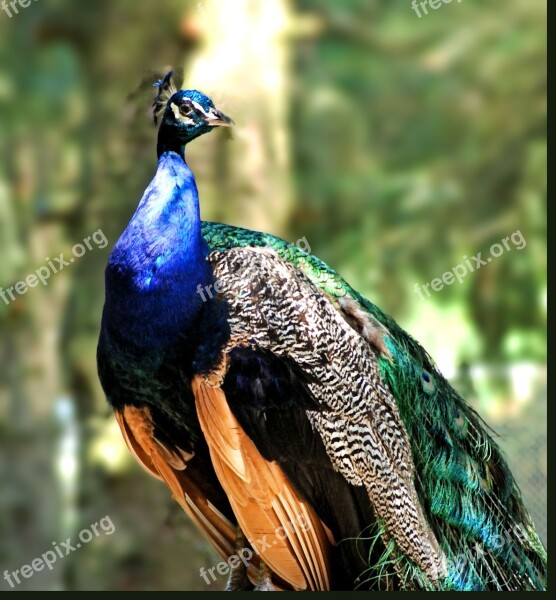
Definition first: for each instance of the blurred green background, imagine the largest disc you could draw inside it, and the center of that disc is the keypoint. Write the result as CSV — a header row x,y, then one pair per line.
x,y
395,144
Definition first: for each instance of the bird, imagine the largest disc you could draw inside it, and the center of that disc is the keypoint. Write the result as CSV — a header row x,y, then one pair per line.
x,y
312,441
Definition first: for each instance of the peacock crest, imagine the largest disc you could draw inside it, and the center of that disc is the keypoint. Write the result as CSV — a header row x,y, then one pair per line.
x,y
166,89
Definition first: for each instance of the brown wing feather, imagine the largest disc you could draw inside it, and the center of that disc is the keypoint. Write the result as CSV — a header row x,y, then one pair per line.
x,y
283,529
171,465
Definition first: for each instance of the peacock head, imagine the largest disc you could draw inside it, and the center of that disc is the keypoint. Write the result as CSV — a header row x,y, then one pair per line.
x,y
184,115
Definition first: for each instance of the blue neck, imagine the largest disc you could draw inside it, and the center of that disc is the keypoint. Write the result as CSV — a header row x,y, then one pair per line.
x,y
159,262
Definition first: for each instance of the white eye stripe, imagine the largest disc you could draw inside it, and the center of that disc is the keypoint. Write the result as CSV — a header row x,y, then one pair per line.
x,y
211,114
199,108
175,110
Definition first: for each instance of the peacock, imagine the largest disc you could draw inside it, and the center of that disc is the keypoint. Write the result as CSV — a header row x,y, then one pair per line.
x,y
311,440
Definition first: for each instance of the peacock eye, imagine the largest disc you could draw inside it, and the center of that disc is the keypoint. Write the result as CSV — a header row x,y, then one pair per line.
x,y
186,110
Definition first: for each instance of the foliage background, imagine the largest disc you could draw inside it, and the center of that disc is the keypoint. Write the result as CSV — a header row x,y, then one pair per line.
x,y
394,144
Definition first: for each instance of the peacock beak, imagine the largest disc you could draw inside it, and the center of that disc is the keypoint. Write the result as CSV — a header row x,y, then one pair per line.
x,y
215,118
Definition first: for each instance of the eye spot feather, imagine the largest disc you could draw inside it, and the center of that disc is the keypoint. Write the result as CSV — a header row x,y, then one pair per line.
x,y
427,382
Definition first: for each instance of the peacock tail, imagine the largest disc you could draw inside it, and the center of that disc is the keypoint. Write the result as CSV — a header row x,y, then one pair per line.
x,y
468,494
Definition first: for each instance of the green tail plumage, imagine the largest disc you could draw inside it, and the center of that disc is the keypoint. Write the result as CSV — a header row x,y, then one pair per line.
x,y
465,487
